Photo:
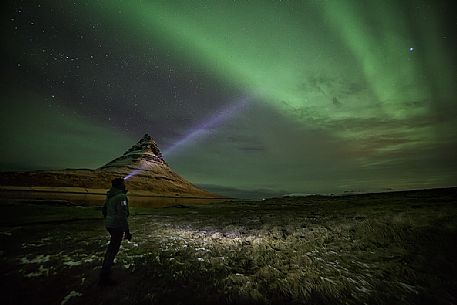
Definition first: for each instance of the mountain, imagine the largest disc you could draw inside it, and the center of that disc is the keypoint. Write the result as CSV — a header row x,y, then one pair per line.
x,y
148,179
145,169
144,154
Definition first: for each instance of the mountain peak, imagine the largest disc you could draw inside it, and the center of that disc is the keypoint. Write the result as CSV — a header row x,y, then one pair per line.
x,y
145,145
146,138
145,150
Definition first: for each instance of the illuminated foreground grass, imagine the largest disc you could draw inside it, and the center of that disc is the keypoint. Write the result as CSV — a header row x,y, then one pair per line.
x,y
378,249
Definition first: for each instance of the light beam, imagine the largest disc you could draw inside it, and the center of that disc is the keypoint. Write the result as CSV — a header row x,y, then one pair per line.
x,y
199,131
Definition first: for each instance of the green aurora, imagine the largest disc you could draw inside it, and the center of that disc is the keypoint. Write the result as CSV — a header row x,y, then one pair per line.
x,y
47,139
274,51
375,78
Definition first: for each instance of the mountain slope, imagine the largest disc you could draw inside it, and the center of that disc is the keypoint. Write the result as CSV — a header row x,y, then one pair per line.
x,y
146,173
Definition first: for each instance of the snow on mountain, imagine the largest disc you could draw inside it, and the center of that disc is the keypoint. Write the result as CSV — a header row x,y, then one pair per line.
x,y
139,156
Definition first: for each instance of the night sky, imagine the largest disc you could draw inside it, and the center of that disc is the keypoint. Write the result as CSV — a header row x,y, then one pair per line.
x,y
245,98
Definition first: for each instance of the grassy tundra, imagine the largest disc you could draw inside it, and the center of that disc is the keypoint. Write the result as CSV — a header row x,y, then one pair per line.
x,y
391,248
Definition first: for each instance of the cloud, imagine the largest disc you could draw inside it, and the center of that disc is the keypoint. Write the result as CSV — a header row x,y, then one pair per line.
x,y
252,148
336,101
247,143
330,85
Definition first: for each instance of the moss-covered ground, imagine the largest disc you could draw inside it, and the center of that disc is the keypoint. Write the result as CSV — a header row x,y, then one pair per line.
x,y
391,248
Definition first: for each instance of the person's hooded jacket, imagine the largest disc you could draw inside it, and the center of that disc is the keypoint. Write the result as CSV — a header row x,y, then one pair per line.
x,y
116,209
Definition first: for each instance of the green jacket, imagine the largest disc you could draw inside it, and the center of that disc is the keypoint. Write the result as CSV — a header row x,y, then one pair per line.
x,y
116,209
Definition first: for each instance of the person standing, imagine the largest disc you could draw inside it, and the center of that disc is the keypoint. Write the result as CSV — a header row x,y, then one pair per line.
x,y
116,212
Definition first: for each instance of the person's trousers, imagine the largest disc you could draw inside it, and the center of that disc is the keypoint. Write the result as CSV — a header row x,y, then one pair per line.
x,y
111,251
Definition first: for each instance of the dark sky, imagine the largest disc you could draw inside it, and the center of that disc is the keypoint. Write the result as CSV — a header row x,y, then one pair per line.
x,y
243,97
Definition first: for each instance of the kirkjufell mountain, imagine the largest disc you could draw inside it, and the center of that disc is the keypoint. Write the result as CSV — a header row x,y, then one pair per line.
x,y
149,179
144,154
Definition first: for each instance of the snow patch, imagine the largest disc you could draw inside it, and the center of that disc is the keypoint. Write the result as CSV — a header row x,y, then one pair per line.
x,y
132,243
72,263
39,259
69,296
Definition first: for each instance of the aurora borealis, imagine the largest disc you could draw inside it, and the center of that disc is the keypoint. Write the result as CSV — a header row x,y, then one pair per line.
x,y
339,95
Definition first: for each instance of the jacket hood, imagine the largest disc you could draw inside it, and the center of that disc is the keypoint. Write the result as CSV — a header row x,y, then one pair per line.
x,y
113,192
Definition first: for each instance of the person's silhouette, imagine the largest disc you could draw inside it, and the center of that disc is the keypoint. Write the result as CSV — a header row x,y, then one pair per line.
x,y
115,212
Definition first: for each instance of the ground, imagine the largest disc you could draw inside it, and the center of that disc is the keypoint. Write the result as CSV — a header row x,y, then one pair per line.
x,y
392,248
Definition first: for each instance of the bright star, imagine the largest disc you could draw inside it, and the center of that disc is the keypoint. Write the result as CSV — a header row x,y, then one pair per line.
x,y
411,49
